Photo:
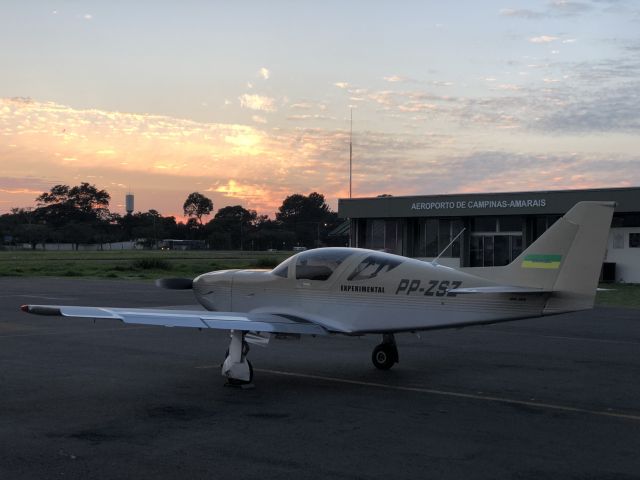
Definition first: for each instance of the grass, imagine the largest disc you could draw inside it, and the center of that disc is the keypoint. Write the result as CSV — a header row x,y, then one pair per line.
x,y
619,295
131,264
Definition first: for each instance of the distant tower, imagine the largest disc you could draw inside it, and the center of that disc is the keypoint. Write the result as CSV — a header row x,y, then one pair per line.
x,y
129,203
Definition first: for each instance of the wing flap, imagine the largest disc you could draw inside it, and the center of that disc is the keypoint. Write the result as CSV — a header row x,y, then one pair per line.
x,y
249,322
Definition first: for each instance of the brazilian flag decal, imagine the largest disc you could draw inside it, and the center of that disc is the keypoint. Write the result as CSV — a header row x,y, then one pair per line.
x,y
551,262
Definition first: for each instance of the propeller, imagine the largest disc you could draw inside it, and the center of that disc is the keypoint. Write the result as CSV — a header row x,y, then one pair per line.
x,y
175,283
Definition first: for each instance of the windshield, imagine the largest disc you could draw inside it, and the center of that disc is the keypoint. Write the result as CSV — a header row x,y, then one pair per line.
x,y
282,270
319,264
372,266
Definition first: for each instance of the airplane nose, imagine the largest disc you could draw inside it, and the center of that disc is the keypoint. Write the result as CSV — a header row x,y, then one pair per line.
x,y
213,290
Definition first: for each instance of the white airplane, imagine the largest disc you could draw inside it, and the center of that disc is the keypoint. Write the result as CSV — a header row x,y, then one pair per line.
x,y
353,291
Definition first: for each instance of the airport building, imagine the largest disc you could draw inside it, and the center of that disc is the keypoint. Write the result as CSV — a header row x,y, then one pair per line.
x,y
495,227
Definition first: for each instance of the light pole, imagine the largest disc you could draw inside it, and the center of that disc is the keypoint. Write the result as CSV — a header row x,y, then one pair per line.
x,y
318,233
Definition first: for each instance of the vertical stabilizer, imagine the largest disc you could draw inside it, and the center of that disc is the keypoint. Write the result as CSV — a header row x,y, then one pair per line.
x,y
566,260
577,281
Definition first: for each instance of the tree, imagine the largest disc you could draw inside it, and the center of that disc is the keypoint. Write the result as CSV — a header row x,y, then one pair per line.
x,y
147,228
306,216
197,205
67,208
24,228
232,226
298,208
269,234
84,197
64,204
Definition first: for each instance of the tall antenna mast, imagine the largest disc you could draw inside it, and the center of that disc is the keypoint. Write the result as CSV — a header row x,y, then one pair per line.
x,y
350,151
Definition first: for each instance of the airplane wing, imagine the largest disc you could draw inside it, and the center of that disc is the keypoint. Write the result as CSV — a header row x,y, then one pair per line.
x,y
498,289
250,322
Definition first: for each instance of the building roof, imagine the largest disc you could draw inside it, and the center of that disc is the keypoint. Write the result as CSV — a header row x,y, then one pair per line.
x,y
551,202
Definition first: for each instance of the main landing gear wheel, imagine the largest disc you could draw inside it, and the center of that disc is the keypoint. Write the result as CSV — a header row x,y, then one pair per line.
x,y
234,382
237,368
384,356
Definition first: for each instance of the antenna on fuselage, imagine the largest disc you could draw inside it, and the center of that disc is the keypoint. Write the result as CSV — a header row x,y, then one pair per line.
x,y
435,260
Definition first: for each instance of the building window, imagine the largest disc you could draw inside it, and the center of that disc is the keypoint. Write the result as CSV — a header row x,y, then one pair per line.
x,y
634,240
541,225
510,224
621,220
432,235
494,250
618,240
380,234
484,224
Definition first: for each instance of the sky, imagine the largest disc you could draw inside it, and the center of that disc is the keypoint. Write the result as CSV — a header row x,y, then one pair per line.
x,y
250,101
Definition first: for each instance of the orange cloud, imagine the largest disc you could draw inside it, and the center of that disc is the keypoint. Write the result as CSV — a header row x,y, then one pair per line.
x,y
245,164
163,159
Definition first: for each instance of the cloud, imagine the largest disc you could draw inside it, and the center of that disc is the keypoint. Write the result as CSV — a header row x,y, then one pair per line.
x,y
28,184
163,159
395,79
606,110
521,13
553,9
497,171
508,86
257,102
301,106
543,39
264,73
235,189
343,85
568,8
259,119
310,117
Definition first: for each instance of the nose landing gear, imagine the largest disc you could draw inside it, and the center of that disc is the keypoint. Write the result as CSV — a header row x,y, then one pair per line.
x,y
385,355
236,367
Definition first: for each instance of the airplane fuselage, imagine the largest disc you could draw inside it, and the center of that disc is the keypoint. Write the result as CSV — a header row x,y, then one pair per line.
x,y
410,295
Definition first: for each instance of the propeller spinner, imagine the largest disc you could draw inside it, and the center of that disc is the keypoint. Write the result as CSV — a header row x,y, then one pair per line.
x,y
175,283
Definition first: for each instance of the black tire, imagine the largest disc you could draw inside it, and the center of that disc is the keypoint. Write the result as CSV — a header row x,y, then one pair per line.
x,y
236,381
384,356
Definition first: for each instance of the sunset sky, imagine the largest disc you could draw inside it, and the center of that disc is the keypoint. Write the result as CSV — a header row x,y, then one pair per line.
x,y
249,101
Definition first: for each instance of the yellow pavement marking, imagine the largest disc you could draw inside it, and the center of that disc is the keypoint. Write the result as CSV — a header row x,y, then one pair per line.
x,y
472,396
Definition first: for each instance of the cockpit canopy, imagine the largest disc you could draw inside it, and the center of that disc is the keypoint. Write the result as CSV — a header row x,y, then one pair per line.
x,y
314,264
321,263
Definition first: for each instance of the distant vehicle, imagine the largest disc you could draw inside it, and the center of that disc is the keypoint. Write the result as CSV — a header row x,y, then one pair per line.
x,y
352,291
299,249
171,244
272,250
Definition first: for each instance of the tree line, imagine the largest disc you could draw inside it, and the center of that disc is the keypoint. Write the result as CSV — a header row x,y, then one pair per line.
x,y
80,215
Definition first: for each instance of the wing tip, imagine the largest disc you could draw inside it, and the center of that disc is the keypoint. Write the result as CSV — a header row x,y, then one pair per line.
x,y
41,310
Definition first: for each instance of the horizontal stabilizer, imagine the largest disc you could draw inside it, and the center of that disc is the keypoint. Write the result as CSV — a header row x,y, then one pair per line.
x,y
498,289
